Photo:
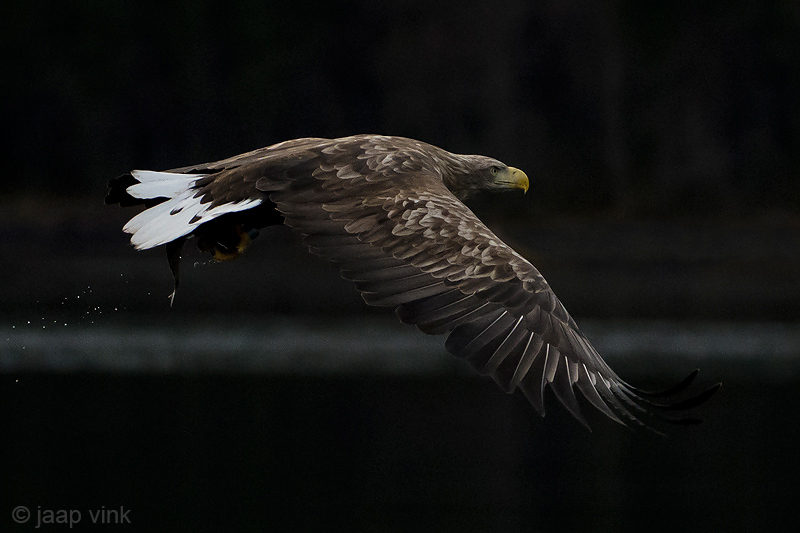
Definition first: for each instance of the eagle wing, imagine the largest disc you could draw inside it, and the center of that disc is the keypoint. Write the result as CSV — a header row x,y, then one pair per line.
x,y
407,242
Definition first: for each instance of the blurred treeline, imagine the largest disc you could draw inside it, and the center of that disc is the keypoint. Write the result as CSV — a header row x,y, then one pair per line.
x,y
628,108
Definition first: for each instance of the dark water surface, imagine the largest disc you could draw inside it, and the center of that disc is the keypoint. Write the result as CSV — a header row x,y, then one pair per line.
x,y
299,425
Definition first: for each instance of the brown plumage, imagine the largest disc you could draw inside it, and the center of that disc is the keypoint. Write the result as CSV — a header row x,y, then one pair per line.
x,y
388,212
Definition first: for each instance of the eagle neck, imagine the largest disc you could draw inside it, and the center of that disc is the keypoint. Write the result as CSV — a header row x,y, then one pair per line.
x,y
458,174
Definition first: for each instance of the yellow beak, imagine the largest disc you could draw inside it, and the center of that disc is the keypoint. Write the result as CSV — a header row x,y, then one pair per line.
x,y
519,180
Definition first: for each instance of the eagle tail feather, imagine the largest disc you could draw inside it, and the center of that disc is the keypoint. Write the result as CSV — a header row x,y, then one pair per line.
x,y
173,207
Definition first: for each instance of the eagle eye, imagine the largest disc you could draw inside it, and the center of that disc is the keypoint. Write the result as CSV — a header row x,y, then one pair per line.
x,y
494,170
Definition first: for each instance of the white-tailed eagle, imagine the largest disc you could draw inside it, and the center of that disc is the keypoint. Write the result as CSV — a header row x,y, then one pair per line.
x,y
388,212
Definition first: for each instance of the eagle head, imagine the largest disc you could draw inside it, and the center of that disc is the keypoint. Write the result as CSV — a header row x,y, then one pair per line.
x,y
476,173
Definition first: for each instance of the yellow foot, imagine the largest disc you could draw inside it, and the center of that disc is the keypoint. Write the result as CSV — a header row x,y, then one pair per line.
x,y
229,254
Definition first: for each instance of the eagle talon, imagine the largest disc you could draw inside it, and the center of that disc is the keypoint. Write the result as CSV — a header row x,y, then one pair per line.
x,y
227,244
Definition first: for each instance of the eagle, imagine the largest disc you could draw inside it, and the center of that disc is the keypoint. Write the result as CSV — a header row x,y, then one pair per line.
x,y
389,212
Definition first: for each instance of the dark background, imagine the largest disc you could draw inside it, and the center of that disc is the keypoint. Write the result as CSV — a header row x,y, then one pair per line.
x,y
652,109
661,140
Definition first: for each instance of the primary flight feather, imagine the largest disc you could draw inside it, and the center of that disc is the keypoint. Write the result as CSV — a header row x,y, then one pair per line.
x,y
388,212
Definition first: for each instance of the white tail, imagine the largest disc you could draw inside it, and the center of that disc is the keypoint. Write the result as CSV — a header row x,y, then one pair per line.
x,y
179,215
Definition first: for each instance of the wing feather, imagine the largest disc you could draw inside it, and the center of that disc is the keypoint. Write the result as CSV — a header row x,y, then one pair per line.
x,y
532,349
561,384
532,384
509,343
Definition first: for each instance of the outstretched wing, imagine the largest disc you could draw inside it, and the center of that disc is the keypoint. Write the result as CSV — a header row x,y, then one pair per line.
x,y
407,242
